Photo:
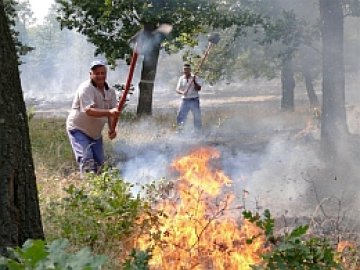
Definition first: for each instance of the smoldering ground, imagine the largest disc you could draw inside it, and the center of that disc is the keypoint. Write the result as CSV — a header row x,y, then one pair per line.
x,y
271,157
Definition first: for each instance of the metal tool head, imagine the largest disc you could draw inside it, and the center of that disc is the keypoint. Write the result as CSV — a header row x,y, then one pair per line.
x,y
214,38
164,28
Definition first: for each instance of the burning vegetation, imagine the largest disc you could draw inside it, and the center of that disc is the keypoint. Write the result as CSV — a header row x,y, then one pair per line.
x,y
198,228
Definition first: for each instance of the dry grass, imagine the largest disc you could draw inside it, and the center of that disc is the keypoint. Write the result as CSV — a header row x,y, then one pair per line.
x,y
251,122
50,146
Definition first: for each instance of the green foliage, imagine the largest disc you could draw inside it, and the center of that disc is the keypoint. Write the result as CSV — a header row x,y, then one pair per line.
x,y
37,255
138,260
289,30
255,63
125,115
266,223
294,253
278,33
102,211
110,24
13,10
293,250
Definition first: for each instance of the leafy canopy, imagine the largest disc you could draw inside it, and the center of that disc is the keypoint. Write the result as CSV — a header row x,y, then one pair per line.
x,y
109,25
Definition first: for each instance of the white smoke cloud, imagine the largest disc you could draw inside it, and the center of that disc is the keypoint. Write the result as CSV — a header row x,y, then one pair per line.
x,y
279,181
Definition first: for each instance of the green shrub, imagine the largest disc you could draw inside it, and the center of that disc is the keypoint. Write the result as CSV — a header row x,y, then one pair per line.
x,y
137,260
101,210
37,255
294,250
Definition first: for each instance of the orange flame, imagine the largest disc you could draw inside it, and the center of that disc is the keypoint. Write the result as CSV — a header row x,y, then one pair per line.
x,y
197,231
342,245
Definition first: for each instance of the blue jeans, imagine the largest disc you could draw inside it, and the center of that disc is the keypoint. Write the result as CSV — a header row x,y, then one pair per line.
x,y
193,105
89,153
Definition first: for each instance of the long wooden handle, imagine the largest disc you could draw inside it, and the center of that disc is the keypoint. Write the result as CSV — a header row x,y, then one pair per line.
x,y
206,53
122,101
199,66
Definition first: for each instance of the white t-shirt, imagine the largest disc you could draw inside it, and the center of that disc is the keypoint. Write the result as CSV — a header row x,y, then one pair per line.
x,y
87,95
184,83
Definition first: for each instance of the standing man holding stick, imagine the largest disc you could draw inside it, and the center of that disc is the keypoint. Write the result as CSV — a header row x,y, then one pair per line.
x,y
189,86
95,103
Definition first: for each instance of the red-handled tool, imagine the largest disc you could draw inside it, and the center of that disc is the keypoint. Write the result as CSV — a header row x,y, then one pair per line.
x,y
213,40
145,41
122,101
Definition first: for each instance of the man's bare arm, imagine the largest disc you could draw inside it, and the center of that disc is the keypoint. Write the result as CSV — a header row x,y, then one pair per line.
x,y
96,112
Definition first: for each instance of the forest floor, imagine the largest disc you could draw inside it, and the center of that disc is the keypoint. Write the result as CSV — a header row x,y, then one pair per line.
x,y
272,157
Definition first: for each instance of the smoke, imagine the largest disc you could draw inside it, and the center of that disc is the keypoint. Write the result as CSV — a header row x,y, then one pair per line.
x,y
280,182
267,164
149,39
272,158
145,168
52,74
270,166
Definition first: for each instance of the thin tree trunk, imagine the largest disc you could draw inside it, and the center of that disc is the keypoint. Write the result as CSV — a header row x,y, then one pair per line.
x,y
288,86
333,121
313,99
150,44
19,205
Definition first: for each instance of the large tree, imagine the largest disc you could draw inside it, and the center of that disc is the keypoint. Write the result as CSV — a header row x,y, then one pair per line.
x,y
19,205
275,46
292,32
333,122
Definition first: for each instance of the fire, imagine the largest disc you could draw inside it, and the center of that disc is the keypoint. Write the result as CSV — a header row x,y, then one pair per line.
x,y
197,230
342,245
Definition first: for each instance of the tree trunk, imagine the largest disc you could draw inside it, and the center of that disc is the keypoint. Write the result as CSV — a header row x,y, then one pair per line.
x,y
333,119
288,85
150,49
313,99
19,205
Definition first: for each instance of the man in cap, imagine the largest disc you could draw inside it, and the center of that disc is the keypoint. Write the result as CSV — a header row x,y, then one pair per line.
x,y
94,104
188,87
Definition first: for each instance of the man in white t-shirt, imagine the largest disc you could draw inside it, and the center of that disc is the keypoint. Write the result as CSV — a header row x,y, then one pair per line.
x,y
189,86
94,104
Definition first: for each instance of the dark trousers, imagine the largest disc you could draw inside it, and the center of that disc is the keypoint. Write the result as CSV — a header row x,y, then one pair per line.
x,y
89,153
193,105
